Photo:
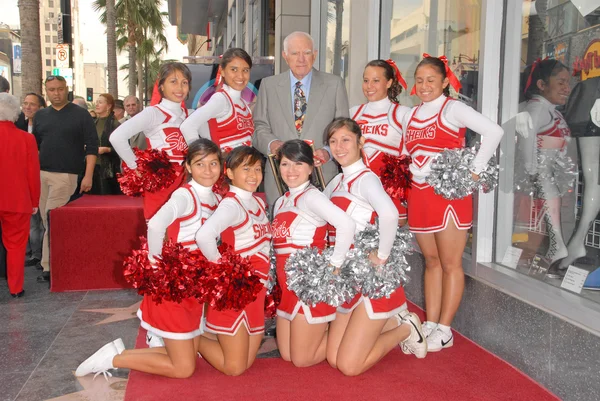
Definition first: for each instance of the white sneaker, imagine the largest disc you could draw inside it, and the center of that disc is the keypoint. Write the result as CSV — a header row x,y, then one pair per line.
x,y
403,313
101,360
428,328
439,340
415,343
154,341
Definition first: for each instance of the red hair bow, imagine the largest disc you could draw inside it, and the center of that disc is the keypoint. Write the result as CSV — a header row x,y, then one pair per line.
x,y
399,77
219,77
535,64
454,82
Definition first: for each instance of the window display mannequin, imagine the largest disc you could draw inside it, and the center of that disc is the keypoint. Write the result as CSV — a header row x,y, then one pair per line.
x,y
545,138
583,116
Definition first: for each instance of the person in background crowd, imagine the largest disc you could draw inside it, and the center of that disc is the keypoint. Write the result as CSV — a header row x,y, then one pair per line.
x,y
31,104
66,136
108,162
4,85
440,225
119,110
133,106
79,101
315,99
20,190
93,114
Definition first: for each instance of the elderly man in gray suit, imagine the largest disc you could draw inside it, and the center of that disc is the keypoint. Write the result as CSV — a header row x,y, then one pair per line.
x,y
298,104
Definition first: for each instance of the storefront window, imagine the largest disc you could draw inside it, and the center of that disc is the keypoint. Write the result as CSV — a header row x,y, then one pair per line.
x,y
448,27
436,27
337,38
556,187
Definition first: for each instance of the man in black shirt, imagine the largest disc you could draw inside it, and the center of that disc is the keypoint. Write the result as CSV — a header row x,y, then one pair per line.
x,y
65,134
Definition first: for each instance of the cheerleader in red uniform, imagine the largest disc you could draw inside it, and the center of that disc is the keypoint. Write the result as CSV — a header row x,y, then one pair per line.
x,y
242,223
364,329
381,118
179,324
300,220
226,118
441,225
160,124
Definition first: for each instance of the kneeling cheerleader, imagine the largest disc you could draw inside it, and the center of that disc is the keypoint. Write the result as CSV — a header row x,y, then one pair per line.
x,y
365,329
300,220
242,223
179,324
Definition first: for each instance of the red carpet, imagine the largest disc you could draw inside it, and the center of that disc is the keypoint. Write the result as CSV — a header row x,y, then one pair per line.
x,y
464,372
90,237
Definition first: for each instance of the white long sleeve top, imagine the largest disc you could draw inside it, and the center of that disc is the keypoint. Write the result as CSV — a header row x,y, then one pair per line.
x,y
218,107
457,115
181,204
150,121
317,204
367,192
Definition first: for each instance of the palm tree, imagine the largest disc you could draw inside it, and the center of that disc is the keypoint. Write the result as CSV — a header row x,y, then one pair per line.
x,y
136,20
111,44
29,15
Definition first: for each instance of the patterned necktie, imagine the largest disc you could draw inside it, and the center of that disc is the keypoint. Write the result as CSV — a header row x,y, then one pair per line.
x,y
299,107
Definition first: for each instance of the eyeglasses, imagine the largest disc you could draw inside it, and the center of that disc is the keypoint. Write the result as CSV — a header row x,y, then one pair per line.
x,y
53,77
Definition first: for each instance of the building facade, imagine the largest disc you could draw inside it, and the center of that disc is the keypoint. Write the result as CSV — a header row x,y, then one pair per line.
x,y
50,12
532,262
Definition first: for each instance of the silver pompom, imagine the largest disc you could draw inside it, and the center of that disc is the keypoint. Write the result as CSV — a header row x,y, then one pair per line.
x,y
451,174
312,279
272,278
559,170
381,281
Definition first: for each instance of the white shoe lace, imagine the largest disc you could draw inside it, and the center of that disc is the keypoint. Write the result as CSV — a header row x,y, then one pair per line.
x,y
106,374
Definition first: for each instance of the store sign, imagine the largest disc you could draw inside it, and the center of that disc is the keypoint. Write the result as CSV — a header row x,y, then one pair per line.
x,y
589,65
62,56
557,52
16,58
66,73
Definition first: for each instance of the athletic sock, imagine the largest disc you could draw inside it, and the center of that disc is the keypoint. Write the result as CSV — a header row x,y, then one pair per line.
x,y
446,329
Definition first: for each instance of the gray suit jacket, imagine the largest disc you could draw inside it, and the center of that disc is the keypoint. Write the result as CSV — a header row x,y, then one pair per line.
x,y
273,119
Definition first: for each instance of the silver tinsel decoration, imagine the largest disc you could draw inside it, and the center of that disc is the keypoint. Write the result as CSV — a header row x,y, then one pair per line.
x,y
272,279
312,279
560,171
378,281
451,176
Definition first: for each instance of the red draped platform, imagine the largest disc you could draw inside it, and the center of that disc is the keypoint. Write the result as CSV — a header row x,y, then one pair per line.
x,y
90,237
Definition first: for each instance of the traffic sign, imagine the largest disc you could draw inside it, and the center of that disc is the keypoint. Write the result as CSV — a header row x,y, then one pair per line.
x,y
62,56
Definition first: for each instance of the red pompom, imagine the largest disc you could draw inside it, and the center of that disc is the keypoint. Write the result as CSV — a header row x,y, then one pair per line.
x,y
396,176
154,173
231,283
272,301
221,187
173,277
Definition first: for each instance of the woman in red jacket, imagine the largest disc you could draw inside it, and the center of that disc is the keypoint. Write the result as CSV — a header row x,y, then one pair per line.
x,y
19,189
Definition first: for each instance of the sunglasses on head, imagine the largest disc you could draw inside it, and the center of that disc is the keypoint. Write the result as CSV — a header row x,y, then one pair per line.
x,y
53,77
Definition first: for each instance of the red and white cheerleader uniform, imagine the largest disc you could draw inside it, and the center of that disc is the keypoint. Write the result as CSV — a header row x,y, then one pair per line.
x,y
226,119
431,128
301,217
549,139
381,125
160,124
359,193
181,217
241,221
